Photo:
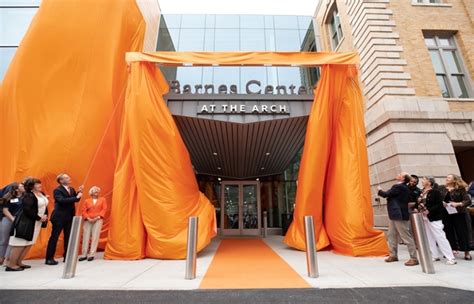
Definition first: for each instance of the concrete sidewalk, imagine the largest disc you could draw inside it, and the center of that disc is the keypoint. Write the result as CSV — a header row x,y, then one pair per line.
x,y
336,271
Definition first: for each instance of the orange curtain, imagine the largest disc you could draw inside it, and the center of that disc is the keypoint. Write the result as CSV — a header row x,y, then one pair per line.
x,y
62,96
155,189
333,181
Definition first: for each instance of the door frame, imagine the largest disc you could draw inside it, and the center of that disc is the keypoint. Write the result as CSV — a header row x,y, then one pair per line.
x,y
241,231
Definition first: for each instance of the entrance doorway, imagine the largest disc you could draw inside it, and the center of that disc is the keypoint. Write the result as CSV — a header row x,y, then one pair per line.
x,y
240,208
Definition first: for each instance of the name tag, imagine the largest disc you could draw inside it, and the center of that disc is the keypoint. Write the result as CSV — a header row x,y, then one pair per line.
x,y
14,200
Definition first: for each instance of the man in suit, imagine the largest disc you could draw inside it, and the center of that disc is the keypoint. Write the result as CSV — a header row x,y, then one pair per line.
x,y
397,206
65,198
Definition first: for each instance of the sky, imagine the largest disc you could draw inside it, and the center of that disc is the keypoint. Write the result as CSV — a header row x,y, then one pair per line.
x,y
265,7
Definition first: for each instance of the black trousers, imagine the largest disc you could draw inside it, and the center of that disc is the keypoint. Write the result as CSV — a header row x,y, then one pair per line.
x,y
455,227
59,225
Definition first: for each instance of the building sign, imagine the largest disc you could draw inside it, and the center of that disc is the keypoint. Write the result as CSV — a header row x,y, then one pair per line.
x,y
243,109
253,87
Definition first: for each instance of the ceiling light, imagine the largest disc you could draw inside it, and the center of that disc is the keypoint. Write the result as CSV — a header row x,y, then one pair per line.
x,y
268,153
218,168
257,179
263,168
219,179
214,153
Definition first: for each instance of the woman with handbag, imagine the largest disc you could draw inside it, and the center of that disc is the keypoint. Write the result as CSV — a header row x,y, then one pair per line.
x,y
27,224
430,203
10,207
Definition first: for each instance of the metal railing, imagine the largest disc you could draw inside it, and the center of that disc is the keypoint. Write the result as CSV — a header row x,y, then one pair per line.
x,y
311,256
191,250
72,249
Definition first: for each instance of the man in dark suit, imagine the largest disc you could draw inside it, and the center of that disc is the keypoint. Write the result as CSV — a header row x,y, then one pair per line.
x,y
397,207
65,198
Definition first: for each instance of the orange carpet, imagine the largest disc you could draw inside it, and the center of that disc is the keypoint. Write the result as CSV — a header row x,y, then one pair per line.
x,y
249,263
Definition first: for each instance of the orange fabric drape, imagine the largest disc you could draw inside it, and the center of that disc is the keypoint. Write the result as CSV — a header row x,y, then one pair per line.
x,y
155,186
61,97
333,181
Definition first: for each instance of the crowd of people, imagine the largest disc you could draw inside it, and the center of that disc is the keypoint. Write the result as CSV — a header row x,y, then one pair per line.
x,y
445,213
24,213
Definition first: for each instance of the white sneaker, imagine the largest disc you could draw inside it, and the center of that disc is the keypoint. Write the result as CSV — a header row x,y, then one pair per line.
x,y
451,262
436,259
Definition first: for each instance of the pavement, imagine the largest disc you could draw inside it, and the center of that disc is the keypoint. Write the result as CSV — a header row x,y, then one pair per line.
x,y
356,278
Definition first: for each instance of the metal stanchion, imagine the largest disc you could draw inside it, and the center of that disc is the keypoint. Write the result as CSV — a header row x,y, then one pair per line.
x,y
421,240
191,252
311,258
265,225
72,249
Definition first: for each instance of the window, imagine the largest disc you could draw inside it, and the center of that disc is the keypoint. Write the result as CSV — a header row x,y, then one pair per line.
x,y
335,28
447,63
428,1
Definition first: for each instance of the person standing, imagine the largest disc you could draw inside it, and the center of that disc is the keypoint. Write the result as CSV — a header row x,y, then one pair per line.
x,y
93,213
414,190
65,198
397,208
27,224
456,201
10,207
431,205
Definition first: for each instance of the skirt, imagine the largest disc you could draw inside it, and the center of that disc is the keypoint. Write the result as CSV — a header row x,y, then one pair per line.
x,y
14,241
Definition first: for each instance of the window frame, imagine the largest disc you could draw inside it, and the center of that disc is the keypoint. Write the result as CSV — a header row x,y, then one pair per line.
x,y
335,17
440,49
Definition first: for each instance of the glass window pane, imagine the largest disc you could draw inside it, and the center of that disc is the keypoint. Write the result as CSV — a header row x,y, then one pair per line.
x,y
435,58
252,21
252,40
191,40
172,21
189,75
227,76
253,73
288,76
19,2
452,61
270,40
210,21
287,40
193,21
459,87
227,40
442,85
209,40
286,22
6,56
13,24
444,42
304,22
231,207
227,21
269,22
430,42
168,40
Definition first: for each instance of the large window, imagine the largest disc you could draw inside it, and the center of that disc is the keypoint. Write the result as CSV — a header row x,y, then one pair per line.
x,y
335,29
448,66
238,33
428,1
15,17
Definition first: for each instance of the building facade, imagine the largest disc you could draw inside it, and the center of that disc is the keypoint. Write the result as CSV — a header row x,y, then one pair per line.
x,y
417,67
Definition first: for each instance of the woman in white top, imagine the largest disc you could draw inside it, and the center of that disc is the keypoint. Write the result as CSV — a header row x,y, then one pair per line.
x,y
27,225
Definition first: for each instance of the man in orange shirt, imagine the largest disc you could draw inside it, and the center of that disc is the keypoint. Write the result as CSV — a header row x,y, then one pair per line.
x,y
93,213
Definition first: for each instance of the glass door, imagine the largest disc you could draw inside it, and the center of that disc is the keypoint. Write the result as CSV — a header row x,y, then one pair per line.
x,y
240,205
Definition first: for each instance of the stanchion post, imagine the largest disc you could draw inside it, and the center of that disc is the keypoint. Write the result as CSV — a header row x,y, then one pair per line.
x,y
421,240
265,224
311,257
72,249
191,251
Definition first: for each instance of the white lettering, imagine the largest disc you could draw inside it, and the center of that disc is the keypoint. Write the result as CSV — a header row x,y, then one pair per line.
x,y
264,108
282,108
273,108
204,109
224,108
242,108
233,108
212,108
255,109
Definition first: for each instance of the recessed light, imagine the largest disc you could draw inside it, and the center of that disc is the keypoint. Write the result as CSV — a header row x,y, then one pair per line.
x,y
268,153
219,179
214,153
257,179
218,168
262,168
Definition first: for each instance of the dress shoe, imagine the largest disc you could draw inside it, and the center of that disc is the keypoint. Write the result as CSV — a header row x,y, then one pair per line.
x,y
411,262
25,266
90,259
82,258
51,262
391,259
13,269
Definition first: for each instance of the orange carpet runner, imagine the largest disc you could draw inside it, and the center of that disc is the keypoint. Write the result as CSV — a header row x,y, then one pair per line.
x,y
249,263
